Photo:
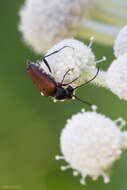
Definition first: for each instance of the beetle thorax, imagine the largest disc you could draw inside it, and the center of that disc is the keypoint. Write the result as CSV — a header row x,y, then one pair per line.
x,y
63,93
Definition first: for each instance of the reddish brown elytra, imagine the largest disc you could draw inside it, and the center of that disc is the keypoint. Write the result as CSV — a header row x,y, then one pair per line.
x,y
48,85
44,82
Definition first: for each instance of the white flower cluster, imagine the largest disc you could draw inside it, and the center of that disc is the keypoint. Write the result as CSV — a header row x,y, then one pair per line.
x,y
76,57
116,78
91,143
45,22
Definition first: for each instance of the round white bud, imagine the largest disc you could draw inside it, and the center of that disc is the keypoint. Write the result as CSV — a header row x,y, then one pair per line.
x,y
90,143
45,22
120,46
116,77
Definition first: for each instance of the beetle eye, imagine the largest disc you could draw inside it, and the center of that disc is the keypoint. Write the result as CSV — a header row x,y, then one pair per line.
x,y
70,88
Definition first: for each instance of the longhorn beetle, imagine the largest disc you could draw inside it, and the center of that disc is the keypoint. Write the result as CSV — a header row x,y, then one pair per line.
x,y
49,86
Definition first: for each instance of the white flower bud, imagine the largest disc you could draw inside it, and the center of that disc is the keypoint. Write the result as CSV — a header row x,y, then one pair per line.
x,y
116,77
120,46
90,143
77,58
45,22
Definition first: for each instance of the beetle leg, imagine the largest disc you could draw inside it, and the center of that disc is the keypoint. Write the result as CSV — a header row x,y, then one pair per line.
x,y
46,63
70,82
65,75
77,98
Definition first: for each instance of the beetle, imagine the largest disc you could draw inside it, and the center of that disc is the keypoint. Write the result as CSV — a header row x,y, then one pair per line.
x,y
49,86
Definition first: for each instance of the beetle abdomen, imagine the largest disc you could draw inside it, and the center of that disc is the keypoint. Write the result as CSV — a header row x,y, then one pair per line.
x,y
45,83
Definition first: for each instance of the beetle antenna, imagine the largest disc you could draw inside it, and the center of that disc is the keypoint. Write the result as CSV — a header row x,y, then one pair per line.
x,y
89,80
77,98
65,75
70,82
56,51
45,56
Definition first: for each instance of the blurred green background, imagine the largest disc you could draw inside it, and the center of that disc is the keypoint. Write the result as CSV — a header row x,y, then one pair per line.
x,y
30,124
